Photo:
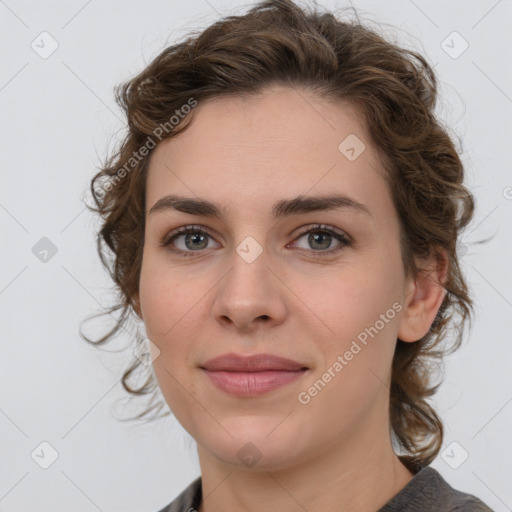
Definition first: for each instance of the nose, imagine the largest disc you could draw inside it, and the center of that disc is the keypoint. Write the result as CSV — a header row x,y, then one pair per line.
x,y
250,295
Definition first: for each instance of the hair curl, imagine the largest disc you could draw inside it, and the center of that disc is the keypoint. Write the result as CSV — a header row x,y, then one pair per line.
x,y
395,89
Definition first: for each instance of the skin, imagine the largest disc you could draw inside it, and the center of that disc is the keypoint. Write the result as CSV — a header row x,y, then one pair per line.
x,y
335,452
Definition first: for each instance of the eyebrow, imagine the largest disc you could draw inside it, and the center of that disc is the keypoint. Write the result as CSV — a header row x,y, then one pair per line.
x,y
282,208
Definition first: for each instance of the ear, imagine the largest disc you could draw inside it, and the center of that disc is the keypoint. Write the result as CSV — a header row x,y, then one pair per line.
x,y
424,295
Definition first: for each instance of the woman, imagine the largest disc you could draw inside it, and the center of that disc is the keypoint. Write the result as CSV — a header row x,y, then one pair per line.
x,y
283,215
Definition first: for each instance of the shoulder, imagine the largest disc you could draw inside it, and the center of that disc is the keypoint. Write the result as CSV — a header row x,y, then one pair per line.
x,y
188,500
429,491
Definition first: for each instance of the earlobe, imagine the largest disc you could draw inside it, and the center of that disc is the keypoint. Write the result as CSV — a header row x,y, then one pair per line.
x,y
424,297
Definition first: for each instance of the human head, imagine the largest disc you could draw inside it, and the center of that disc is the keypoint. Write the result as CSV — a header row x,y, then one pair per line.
x,y
394,92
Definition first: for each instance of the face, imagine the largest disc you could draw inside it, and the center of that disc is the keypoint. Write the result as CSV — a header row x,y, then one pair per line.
x,y
322,287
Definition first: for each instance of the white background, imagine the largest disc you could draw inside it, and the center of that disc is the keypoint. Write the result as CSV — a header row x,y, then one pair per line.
x,y
58,116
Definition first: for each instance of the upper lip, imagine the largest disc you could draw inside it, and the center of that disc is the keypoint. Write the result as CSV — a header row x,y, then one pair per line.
x,y
255,363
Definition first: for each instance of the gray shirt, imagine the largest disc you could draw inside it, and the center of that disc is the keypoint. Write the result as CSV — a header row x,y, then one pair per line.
x,y
427,491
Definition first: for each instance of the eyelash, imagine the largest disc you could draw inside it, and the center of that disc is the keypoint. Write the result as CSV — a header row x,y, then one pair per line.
x,y
317,228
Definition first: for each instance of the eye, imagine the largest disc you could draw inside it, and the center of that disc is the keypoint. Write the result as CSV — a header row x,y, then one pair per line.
x,y
320,238
194,239
188,240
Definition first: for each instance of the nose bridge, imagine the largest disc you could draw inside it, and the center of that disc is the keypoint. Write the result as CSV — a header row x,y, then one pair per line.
x,y
248,276
249,290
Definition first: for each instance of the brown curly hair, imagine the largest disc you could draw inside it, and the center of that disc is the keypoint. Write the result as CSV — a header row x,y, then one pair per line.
x,y
277,42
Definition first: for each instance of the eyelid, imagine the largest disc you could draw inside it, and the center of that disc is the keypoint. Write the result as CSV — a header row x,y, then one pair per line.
x,y
183,230
343,239
322,227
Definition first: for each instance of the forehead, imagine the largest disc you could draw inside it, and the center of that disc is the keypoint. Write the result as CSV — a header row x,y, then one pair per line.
x,y
249,152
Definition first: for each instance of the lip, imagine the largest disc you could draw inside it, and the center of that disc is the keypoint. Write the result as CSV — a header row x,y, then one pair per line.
x,y
249,376
255,363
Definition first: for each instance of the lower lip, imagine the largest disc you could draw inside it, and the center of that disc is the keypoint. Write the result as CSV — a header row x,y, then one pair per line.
x,y
247,384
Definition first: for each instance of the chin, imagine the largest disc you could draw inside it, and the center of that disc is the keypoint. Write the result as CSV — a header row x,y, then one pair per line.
x,y
258,444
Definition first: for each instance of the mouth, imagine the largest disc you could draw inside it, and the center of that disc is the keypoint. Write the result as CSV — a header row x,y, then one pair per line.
x,y
252,376
248,384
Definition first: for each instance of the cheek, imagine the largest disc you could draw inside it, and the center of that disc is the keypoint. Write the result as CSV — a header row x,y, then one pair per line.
x,y
360,307
163,295
170,305
160,309
354,298
154,300
166,322
356,356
